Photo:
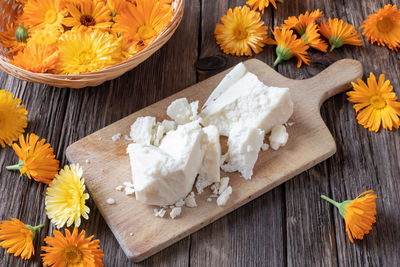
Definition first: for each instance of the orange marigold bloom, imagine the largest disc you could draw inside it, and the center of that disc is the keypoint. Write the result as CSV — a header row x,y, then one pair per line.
x,y
383,27
288,45
36,159
18,238
72,250
9,41
37,58
340,33
300,23
241,32
376,103
313,39
88,14
116,6
261,4
359,214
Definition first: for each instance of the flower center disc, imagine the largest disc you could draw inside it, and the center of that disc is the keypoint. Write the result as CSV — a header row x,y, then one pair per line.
x,y
50,16
145,31
72,255
86,56
240,32
378,102
385,24
87,20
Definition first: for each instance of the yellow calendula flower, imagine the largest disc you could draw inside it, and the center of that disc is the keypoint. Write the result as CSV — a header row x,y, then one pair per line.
x,y
144,21
383,27
241,33
301,22
261,4
13,118
36,159
340,33
40,13
9,40
72,250
375,103
48,36
65,197
288,45
313,38
88,14
83,51
17,238
359,214
37,57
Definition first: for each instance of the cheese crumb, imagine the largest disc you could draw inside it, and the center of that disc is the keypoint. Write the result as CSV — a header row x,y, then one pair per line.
x,y
223,198
215,188
214,195
180,203
110,201
278,137
115,137
127,138
159,213
175,212
264,147
180,111
119,188
190,200
201,183
129,191
131,234
223,184
87,161
142,129
209,199
168,125
128,184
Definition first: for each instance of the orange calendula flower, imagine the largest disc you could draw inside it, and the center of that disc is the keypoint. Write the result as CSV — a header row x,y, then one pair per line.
x,y
144,21
36,159
313,39
72,250
261,4
359,214
13,118
288,45
383,27
241,32
48,36
38,58
115,6
17,238
301,22
340,33
9,40
376,103
88,14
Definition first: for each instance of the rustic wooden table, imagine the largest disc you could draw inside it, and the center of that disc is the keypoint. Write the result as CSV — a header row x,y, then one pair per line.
x,y
290,225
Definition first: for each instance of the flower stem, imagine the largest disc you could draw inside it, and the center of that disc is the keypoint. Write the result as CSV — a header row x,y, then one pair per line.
x,y
16,166
330,200
33,229
278,60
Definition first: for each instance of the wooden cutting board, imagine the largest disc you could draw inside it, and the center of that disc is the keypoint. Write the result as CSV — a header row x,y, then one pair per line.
x,y
141,234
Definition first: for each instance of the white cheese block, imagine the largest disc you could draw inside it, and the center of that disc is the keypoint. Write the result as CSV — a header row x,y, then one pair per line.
x,y
142,130
182,112
232,77
243,147
165,174
248,103
278,137
223,198
209,170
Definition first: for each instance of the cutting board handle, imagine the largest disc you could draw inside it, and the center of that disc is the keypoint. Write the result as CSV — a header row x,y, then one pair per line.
x,y
333,80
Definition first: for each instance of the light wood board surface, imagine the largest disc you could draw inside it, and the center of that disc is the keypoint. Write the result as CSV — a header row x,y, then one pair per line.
x,y
310,142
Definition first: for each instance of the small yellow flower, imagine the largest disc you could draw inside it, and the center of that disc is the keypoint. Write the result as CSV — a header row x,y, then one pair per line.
x,y
261,4
241,32
72,250
383,27
301,22
340,33
18,238
288,45
65,197
313,39
36,159
37,57
359,214
13,118
376,103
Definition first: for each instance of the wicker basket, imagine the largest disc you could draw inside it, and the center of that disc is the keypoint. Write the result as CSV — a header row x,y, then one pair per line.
x,y
10,8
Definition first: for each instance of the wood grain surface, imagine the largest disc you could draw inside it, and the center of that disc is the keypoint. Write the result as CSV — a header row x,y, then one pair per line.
x,y
288,226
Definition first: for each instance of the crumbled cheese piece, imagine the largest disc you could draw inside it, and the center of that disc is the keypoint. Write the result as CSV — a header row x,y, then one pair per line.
x,y
129,191
240,157
127,138
194,109
159,213
110,201
201,183
115,137
213,195
131,234
175,212
190,201
171,207
158,134
215,188
264,147
180,111
209,199
289,123
142,130
223,198
211,161
119,188
128,184
278,137
168,125
223,184
180,203
87,161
